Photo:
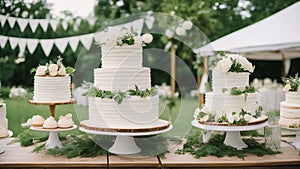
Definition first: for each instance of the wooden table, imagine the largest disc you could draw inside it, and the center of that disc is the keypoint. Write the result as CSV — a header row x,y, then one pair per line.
x,y
17,156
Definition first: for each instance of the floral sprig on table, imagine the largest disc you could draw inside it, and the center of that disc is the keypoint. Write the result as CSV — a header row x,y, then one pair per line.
x,y
236,91
234,63
292,83
235,118
117,96
125,36
53,69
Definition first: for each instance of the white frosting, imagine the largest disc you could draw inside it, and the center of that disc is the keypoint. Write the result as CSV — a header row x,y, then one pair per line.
x,y
125,56
292,97
229,80
65,121
133,111
50,123
220,103
52,89
122,79
37,120
3,121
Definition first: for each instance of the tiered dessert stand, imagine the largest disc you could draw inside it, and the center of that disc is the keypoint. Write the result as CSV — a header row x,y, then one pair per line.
x,y
124,143
296,142
53,139
10,133
233,135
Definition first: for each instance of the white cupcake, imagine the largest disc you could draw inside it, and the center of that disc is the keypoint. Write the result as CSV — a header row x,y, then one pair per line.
x,y
37,121
65,121
50,123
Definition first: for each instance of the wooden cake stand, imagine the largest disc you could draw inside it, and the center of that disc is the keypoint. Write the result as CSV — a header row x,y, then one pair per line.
x,y
10,133
233,135
124,143
53,139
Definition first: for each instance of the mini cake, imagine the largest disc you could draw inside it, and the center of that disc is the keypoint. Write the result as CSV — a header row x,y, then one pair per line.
x,y
290,108
52,82
50,123
65,121
3,120
232,101
37,121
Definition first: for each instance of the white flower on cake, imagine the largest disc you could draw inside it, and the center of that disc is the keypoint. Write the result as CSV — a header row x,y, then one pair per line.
x,y
224,65
53,73
53,67
187,25
292,83
41,70
62,71
230,119
247,117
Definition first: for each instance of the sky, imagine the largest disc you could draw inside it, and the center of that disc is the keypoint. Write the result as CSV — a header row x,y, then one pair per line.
x,y
78,7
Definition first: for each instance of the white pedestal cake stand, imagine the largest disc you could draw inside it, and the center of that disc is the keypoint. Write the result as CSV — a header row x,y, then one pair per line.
x,y
233,136
53,139
124,143
10,133
296,142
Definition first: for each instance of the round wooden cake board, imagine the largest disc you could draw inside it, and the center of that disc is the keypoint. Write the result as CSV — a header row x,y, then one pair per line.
x,y
10,133
233,136
124,143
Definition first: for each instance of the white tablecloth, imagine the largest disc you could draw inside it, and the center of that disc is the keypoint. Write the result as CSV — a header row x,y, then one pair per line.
x,y
270,99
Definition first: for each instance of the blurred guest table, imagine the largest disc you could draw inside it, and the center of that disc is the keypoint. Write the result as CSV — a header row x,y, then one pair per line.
x,y
270,98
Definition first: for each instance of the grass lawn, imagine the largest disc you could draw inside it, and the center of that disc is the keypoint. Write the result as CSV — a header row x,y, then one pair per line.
x,y
19,110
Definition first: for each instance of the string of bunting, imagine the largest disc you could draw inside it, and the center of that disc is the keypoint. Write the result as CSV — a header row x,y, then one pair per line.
x,y
62,43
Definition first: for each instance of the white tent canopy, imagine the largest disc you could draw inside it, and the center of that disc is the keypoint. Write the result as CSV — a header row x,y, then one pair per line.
x,y
274,38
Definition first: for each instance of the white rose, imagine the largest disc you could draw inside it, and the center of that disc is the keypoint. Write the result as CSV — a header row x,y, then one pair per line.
x,y
230,119
180,31
236,117
169,33
287,87
204,118
224,65
138,40
53,73
53,67
41,71
62,71
247,117
187,25
147,38
246,65
196,113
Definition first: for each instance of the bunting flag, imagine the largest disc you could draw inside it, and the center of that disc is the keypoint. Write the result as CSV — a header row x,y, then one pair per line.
x,y
61,43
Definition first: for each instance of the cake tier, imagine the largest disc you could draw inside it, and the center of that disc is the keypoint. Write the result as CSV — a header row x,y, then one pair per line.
x,y
122,79
289,123
292,97
52,89
132,112
3,121
125,56
229,80
220,103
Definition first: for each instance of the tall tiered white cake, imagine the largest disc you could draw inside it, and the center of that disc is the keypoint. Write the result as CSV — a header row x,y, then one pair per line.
x,y
3,120
290,108
232,101
121,96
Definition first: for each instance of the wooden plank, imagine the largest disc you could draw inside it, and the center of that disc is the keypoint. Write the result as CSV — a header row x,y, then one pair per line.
x,y
17,156
289,157
117,161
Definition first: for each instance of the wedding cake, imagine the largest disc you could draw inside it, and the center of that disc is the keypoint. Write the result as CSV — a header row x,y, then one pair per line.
x,y
121,96
3,121
52,82
232,100
290,108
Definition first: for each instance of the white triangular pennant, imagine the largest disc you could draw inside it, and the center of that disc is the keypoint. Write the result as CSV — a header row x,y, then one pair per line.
x,y
22,44
73,41
47,45
86,40
149,21
3,19
33,23
44,24
91,21
32,44
13,42
61,44
11,21
22,23
64,24
54,23
3,41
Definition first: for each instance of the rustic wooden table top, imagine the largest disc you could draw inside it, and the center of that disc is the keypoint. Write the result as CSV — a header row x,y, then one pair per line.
x,y
17,156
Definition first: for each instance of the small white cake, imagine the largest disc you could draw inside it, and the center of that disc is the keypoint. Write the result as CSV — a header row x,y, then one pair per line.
x,y
3,121
290,110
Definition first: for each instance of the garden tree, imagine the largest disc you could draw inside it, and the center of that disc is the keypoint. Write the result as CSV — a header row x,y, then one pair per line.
x,y
19,74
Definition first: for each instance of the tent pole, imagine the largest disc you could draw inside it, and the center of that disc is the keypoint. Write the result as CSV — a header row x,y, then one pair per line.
x,y
283,64
205,70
